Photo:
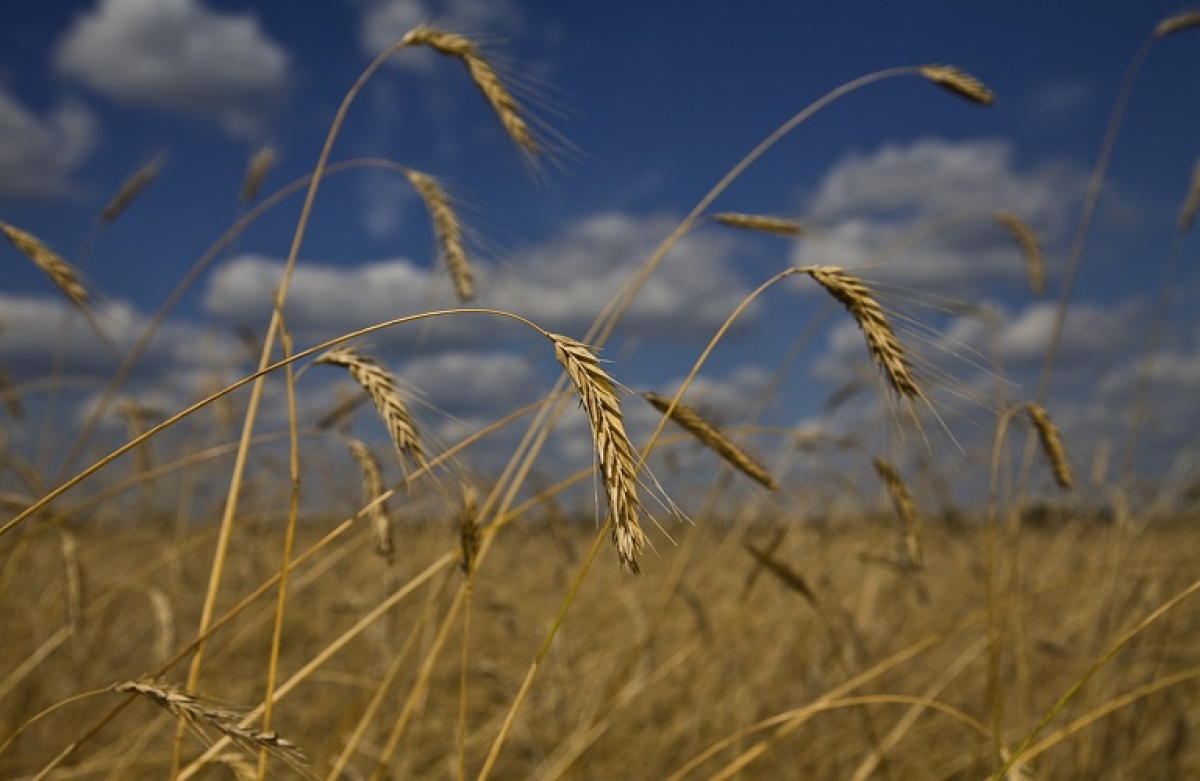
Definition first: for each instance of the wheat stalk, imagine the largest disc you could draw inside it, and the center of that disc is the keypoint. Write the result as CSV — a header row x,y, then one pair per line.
x,y
256,172
132,188
885,348
381,387
1052,445
372,488
485,78
1187,215
959,82
708,434
906,507
204,719
61,273
1031,248
448,230
760,222
1177,23
599,401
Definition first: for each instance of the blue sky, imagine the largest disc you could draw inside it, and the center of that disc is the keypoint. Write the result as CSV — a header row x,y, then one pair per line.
x,y
648,105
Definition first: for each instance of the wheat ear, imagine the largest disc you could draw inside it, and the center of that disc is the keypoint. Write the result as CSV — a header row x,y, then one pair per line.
x,y
484,76
885,348
613,449
381,387
1052,445
61,273
1031,248
448,230
711,437
1187,215
1177,23
906,507
205,719
372,487
960,83
256,172
468,529
131,189
763,223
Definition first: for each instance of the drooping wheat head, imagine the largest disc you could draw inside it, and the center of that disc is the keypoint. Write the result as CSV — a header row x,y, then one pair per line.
x,y
131,189
906,508
498,96
711,437
372,487
256,172
1052,445
61,273
448,230
381,387
1031,248
599,400
882,343
960,83
763,223
1177,23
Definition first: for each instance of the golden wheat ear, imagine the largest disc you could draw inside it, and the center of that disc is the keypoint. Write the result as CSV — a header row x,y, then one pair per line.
x,y
906,508
448,230
1031,248
1177,23
381,387
1187,213
256,173
1052,445
711,437
777,226
61,273
960,83
599,400
372,487
131,189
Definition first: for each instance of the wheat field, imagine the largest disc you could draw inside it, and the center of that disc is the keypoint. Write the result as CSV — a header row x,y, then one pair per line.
x,y
312,617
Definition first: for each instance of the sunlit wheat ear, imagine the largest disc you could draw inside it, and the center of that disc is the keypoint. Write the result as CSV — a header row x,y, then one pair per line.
x,y
132,188
1187,215
61,273
468,530
599,400
1052,445
256,173
372,488
381,387
1031,248
448,230
885,348
484,76
960,83
1177,23
906,507
208,722
777,226
709,435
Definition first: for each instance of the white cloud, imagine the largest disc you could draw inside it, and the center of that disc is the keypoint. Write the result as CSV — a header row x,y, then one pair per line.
x,y
178,55
386,21
37,155
935,199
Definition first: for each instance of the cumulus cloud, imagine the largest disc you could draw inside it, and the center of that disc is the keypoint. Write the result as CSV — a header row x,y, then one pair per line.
x,y
386,21
38,154
562,285
934,199
179,56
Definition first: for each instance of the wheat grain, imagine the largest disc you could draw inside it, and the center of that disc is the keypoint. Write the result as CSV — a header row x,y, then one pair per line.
x,y
1052,445
204,719
885,348
1031,249
708,434
960,83
1177,23
1187,214
61,273
613,449
485,78
761,222
256,172
132,188
381,387
372,487
448,230
906,507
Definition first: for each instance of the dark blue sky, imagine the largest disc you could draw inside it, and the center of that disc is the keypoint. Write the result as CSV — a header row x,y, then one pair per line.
x,y
648,105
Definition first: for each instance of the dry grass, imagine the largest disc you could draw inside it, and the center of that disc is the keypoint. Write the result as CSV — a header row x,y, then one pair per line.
x,y
883,344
